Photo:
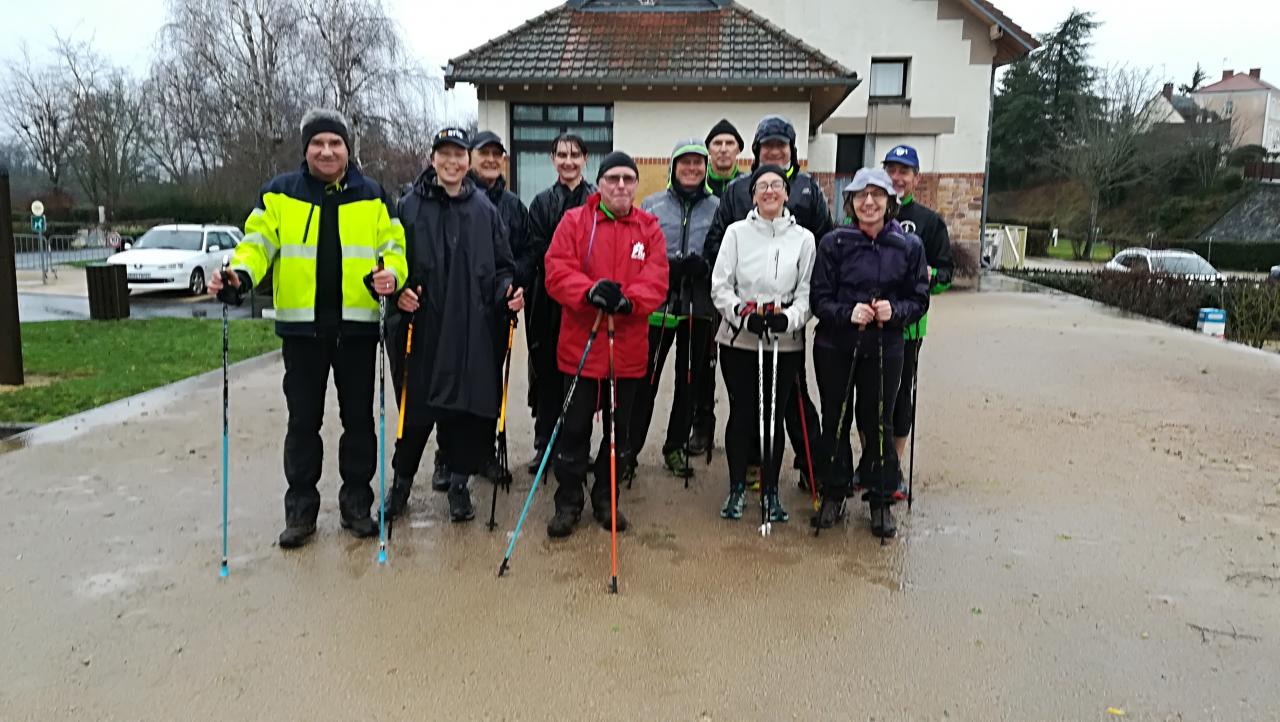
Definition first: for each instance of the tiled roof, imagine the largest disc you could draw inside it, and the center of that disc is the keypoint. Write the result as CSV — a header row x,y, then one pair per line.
x,y
1238,83
686,43
1007,24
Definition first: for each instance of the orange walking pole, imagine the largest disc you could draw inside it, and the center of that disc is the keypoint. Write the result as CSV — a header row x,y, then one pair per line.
x,y
404,379
613,463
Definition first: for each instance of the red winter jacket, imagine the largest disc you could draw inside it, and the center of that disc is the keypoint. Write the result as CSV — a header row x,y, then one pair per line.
x,y
630,250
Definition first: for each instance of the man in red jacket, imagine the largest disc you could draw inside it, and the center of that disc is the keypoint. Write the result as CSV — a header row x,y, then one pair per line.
x,y
607,256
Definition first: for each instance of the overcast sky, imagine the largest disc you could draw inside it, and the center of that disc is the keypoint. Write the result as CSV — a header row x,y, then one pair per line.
x,y
1168,36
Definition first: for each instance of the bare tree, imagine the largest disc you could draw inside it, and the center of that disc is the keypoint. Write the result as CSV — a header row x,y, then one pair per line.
x,y
179,139
1102,152
36,110
107,123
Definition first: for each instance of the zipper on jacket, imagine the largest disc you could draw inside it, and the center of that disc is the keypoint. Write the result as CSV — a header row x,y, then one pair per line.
x,y
306,231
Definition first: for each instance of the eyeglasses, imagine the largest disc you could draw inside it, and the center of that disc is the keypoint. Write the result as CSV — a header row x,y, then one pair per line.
x,y
875,193
777,185
617,179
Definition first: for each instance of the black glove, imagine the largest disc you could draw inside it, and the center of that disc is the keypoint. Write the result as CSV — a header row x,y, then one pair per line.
x,y
622,307
694,266
756,324
229,294
605,295
777,322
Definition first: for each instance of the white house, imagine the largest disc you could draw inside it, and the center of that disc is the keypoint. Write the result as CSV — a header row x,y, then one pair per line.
x,y
855,77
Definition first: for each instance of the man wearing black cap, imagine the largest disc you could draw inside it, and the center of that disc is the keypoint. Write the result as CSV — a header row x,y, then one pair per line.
x,y
724,144
542,327
318,230
458,296
606,257
775,144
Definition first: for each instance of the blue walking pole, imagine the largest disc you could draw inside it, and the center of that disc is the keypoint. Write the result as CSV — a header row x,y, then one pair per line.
x,y
222,572
546,454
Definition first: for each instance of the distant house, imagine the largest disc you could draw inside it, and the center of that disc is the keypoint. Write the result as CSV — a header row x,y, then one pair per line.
x,y
1250,103
1172,109
855,77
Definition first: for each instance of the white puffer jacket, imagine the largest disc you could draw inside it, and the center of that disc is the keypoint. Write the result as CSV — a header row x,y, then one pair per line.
x,y
763,261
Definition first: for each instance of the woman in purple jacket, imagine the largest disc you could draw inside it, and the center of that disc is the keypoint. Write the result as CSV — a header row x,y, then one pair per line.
x,y
869,280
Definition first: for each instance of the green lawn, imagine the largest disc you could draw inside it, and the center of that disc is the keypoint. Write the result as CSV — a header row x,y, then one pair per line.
x,y
91,363
1101,251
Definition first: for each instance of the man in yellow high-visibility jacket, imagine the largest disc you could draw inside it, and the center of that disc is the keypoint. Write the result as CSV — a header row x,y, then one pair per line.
x,y
320,230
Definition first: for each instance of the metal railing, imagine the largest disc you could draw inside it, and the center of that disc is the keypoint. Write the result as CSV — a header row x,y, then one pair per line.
x,y
44,253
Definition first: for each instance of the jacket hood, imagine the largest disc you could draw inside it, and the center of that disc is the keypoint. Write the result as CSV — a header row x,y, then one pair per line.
x,y
688,146
428,187
777,226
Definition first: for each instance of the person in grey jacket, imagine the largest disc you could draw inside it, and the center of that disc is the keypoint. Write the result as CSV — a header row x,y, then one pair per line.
x,y
760,285
684,212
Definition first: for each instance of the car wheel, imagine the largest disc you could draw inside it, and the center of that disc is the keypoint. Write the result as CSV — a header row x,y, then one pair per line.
x,y
197,282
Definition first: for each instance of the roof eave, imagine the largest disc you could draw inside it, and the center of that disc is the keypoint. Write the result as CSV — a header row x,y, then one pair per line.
x,y
452,76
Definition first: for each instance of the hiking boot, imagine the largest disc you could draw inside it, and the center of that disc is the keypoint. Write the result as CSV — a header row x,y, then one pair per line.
x,y
677,463
440,478
882,522
361,527
776,512
732,508
398,500
296,534
460,508
602,517
831,511
562,524
753,477
900,493
700,440
532,466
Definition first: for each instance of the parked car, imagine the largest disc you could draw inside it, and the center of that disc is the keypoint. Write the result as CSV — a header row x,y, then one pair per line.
x,y
176,257
1186,264
1275,273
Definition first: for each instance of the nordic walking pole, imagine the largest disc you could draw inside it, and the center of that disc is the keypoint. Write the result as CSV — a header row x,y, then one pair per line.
x,y
882,481
915,385
404,379
226,397
382,423
764,453
613,466
689,394
501,449
546,454
773,427
808,453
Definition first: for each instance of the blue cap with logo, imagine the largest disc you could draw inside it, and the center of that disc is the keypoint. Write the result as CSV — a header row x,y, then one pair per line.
x,y
904,155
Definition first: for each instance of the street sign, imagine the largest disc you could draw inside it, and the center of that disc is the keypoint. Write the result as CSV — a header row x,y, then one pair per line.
x,y
37,223
37,208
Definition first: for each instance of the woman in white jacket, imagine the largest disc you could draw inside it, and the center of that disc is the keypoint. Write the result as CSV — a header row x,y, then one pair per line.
x,y
760,285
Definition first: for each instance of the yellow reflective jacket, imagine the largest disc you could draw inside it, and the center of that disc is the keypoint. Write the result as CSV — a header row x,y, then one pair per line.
x,y
282,234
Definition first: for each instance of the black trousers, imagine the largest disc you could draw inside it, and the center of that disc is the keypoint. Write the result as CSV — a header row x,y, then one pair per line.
x,y
547,388
704,381
307,362
464,441
834,368
679,421
574,442
904,414
796,427
741,372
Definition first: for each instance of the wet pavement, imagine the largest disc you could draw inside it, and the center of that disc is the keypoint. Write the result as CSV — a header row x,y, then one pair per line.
x,y
1098,506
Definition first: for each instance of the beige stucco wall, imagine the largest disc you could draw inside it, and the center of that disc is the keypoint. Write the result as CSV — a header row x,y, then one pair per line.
x,y
948,78
650,130
492,115
1249,117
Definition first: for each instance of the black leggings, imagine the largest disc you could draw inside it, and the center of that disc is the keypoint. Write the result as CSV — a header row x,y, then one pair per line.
x,y
742,434
904,414
660,342
833,368
464,441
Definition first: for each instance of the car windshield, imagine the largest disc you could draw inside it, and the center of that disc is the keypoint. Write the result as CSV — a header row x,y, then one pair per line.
x,y
170,238
1182,265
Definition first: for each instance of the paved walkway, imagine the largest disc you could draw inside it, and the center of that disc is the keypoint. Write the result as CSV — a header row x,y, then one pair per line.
x,y
1096,527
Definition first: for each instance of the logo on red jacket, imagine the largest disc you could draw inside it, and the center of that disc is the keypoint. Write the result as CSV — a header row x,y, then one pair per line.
x,y
637,251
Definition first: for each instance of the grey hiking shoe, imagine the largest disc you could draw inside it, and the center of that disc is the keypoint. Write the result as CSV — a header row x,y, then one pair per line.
x,y
732,508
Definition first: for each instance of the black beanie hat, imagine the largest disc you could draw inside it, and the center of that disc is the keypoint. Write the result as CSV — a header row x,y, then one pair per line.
x,y
724,126
779,170
323,120
613,160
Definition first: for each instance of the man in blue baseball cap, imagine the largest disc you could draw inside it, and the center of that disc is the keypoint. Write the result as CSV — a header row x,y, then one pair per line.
x,y
902,163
